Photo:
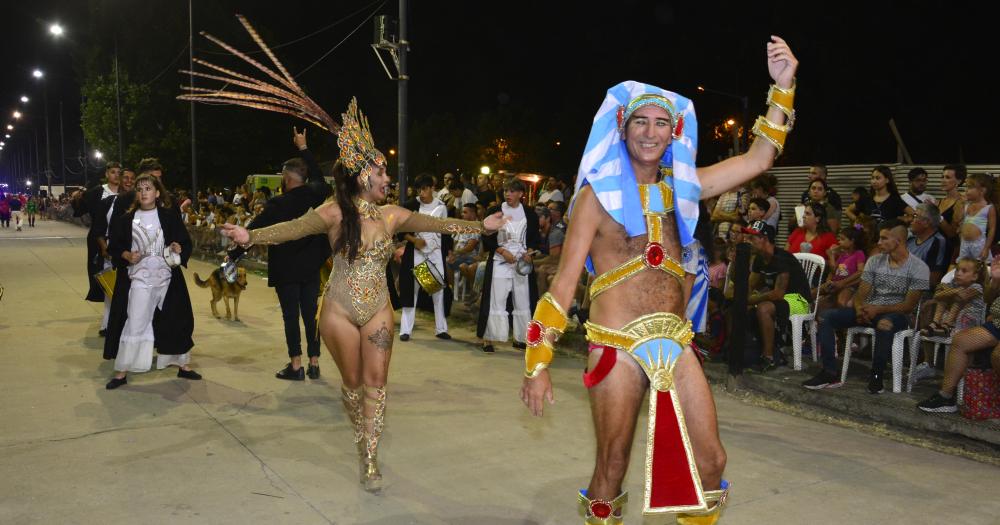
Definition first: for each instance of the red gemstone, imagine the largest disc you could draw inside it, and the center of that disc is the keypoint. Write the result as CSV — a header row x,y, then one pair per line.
x,y
654,254
535,332
600,509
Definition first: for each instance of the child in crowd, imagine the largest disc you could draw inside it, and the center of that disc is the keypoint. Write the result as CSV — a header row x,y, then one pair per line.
x,y
150,243
959,304
979,225
718,266
757,209
847,259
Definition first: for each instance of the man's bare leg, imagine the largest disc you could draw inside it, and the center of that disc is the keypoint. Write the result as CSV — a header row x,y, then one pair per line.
x,y
614,405
765,321
699,415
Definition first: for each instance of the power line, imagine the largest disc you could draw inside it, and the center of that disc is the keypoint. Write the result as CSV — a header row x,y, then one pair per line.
x,y
363,22
172,62
314,33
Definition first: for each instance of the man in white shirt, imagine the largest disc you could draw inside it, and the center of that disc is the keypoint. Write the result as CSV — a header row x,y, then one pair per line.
x,y
551,192
918,189
426,247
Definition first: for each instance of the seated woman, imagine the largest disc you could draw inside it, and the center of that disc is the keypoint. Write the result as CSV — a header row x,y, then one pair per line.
x,y
818,191
965,343
847,259
860,201
814,235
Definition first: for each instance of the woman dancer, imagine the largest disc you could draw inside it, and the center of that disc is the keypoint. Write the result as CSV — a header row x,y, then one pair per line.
x,y
356,320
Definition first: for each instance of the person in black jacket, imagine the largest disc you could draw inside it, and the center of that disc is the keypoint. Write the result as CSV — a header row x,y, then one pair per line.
x,y
293,266
89,202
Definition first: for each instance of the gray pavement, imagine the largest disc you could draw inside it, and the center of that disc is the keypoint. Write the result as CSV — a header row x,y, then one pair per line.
x,y
243,447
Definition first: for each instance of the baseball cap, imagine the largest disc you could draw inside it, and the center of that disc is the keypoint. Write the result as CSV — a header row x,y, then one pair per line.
x,y
761,228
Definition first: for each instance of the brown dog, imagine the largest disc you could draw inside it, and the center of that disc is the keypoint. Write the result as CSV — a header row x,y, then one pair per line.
x,y
222,289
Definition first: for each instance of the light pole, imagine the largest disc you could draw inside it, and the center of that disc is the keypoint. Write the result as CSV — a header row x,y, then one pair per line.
x,y
743,103
40,76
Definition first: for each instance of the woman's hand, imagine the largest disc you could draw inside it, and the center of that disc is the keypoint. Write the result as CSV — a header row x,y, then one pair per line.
x,y
495,222
781,63
238,234
132,257
174,247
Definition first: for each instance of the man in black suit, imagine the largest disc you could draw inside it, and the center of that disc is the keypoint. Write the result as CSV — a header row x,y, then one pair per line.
x,y
89,202
293,267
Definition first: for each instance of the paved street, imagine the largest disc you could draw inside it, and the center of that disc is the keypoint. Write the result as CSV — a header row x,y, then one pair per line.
x,y
243,447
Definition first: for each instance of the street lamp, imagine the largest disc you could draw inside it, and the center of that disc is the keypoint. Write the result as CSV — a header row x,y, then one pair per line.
x,y
24,99
744,103
17,114
98,155
6,135
56,30
485,170
10,127
37,73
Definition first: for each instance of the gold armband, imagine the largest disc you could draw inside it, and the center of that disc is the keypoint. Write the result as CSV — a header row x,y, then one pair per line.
x,y
771,132
784,100
310,223
419,222
549,321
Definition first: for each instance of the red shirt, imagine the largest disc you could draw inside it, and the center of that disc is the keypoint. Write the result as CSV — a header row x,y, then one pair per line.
x,y
820,244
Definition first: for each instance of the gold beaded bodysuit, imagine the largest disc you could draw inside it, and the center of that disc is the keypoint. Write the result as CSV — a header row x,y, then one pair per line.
x,y
360,287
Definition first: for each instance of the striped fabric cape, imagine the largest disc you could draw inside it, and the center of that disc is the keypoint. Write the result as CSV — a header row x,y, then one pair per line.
x,y
606,168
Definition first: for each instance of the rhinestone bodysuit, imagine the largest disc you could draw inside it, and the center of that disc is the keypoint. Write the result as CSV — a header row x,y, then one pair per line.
x,y
360,287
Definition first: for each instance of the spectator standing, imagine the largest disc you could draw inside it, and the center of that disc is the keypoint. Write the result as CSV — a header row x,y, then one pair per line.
x,y
819,172
979,222
918,189
764,187
551,191
15,204
885,204
89,202
952,206
293,266
32,209
726,210
484,191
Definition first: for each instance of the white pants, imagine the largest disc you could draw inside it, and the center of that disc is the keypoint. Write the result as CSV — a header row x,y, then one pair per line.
x,y
16,215
497,325
410,312
135,352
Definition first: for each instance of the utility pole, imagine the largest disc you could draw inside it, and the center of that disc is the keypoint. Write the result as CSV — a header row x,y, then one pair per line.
x,y
404,122
194,155
48,156
397,49
118,104
62,146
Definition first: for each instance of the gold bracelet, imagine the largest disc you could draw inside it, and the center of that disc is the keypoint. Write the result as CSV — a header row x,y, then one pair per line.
x,y
549,321
784,100
771,132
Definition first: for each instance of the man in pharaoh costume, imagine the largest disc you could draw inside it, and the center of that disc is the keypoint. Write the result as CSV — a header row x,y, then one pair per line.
x,y
355,320
634,213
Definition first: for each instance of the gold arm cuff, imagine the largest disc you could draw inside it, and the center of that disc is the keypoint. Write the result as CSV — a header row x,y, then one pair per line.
x,y
310,223
419,222
546,327
771,132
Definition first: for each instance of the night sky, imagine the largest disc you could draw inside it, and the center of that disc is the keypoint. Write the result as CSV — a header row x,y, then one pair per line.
x,y
929,67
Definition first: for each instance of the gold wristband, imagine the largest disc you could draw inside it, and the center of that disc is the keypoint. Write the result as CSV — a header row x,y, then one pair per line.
x,y
549,322
784,100
771,132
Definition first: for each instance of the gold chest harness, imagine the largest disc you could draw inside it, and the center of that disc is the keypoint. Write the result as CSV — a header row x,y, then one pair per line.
x,y
657,201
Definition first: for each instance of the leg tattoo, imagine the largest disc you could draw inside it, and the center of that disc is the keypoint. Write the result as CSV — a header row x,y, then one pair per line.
x,y
382,339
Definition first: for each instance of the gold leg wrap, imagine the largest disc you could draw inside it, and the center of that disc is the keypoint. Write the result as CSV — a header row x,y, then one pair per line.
x,y
602,512
711,516
352,406
375,398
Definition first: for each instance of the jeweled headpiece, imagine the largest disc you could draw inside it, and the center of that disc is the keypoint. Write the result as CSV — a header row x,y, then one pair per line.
x,y
357,148
651,99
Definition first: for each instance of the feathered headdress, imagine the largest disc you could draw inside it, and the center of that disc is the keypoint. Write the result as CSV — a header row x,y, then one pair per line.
x,y
357,148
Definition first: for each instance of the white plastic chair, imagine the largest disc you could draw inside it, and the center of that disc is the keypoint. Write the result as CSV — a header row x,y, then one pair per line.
x,y
811,264
898,346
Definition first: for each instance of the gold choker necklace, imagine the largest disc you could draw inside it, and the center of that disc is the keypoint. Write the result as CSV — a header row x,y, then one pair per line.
x,y
367,209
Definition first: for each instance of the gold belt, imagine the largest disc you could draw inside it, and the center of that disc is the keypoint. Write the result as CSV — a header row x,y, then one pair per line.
x,y
648,327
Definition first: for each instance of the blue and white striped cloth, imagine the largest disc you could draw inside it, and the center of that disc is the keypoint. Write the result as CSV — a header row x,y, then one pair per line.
x,y
696,262
606,167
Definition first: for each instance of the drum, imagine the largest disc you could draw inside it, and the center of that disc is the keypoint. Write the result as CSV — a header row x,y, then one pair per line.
x,y
429,277
106,278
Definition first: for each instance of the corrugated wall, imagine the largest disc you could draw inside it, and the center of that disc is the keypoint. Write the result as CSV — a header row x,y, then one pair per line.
x,y
793,180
